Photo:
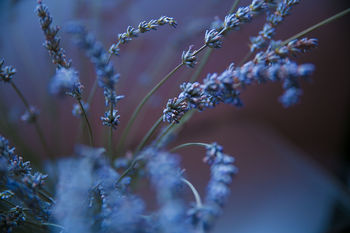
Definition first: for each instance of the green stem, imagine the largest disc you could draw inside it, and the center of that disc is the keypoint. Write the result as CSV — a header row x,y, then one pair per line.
x,y
199,50
210,50
202,63
304,32
148,135
141,104
133,163
36,124
312,28
189,144
87,122
46,196
194,191
164,134
246,57
52,225
234,6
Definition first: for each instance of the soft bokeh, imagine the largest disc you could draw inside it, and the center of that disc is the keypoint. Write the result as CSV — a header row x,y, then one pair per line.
x,y
293,163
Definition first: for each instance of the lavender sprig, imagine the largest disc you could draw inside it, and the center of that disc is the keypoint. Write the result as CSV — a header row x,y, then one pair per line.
x,y
106,75
165,174
52,42
31,114
272,20
221,172
271,65
143,27
232,21
66,80
17,177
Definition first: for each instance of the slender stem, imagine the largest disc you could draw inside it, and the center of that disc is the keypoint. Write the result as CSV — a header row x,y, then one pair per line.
x,y
21,96
189,144
210,50
184,119
45,195
142,103
36,124
148,135
164,134
87,122
92,92
47,224
199,50
132,165
196,195
52,225
246,57
312,28
234,6
304,32
202,63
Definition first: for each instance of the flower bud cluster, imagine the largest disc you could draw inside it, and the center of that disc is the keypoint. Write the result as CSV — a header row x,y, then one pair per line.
x,y
271,65
272,20
143,27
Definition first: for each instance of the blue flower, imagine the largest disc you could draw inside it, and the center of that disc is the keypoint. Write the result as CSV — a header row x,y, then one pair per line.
x,y
111,119
6,72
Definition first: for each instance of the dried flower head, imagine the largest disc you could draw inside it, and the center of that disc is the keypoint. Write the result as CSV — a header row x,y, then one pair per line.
x,y
188,57
6,72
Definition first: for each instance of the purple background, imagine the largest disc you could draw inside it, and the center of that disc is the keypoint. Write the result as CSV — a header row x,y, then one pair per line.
x,y
292,161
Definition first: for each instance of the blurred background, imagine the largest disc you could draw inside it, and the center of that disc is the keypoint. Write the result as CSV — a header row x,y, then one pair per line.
x,y
293,163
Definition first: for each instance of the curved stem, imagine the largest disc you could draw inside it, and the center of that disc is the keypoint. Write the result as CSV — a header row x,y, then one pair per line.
x,y
43,193
132,165
36,124
52,225
189,144
312,28
141,104
194,191
148,135
87,122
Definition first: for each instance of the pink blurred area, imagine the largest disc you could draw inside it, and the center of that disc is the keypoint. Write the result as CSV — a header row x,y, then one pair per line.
x,y
291,161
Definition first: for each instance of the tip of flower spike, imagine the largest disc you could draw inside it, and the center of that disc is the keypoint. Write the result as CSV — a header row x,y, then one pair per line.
x,y
291,97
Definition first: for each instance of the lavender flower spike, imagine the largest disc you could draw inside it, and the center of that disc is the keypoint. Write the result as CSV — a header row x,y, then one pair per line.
x,y
221,171
52,42
143,27
272,20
